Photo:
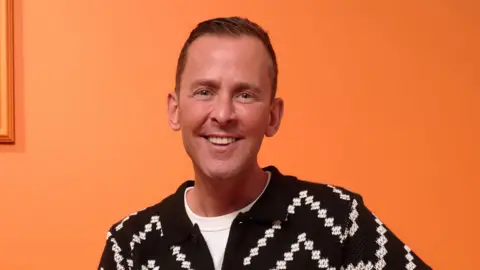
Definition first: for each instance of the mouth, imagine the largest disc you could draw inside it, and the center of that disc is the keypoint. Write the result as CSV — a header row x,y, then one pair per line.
x,y
221,141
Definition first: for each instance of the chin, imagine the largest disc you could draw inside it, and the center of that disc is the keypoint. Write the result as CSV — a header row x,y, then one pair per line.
x,y
221,169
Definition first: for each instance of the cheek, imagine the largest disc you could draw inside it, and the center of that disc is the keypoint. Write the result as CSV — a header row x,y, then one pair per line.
x,y
191,115
255,123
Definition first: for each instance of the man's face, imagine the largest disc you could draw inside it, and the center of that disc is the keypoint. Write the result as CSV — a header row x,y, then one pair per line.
x,y
224,106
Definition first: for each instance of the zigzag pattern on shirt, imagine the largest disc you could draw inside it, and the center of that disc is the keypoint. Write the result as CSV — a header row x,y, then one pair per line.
x,y
322,213
150,265
262,242
353,218
120,225
410,265
155,220
118,258
180,257
308,245
353,213
303,200
136,239
380,253
342,195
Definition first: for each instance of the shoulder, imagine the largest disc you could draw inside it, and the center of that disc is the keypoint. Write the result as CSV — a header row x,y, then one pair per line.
x,y
337,200
331,194
316,207
327,191
292,183
135,221
326,200
135,227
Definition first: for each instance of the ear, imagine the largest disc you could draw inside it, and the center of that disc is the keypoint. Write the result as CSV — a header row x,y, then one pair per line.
x,y
173,111
276,114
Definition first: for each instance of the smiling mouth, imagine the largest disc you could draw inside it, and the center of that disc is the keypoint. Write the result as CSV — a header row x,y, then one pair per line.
x,y
221,140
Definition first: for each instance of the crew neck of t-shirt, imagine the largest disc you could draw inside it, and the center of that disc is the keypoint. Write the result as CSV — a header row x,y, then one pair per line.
x,y
218,223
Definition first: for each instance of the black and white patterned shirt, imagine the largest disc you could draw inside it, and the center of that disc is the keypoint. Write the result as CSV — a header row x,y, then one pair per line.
x,y
295,224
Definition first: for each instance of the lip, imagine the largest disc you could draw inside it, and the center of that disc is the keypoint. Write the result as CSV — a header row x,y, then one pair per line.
x,y
221,145
218,135
222,148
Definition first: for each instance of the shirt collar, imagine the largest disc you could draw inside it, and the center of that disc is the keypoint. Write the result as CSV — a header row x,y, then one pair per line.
x,y
270,207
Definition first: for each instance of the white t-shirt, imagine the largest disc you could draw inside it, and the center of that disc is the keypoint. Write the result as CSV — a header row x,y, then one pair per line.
x,y
215,230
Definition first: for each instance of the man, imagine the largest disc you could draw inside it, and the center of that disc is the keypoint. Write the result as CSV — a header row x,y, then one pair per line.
x,y
235,214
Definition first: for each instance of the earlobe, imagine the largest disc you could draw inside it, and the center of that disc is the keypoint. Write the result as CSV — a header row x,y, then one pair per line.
x,y
276,114
172,107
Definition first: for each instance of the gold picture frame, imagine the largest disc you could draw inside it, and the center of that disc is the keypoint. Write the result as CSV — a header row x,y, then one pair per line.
x,y
7,134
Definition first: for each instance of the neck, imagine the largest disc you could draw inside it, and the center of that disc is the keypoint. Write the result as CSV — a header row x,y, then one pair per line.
x,y
215,197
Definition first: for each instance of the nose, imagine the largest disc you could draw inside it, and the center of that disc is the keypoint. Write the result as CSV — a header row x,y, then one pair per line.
x,y
224,111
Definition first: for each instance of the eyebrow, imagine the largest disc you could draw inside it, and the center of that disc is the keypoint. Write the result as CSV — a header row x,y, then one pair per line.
x,y
205,82
215,84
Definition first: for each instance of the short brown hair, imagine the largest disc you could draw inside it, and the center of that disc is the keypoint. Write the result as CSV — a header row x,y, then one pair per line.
x,y
233,26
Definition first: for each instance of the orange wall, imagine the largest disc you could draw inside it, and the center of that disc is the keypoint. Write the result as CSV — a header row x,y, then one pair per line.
x,y
380,98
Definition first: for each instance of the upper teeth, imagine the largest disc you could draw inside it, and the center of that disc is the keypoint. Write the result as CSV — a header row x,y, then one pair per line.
x,y
219,140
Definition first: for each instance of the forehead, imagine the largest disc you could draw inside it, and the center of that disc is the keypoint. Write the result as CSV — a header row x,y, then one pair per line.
x,y
228,58
210,43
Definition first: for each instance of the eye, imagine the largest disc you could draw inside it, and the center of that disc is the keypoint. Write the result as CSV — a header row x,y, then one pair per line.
x,y
245,96
202,93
